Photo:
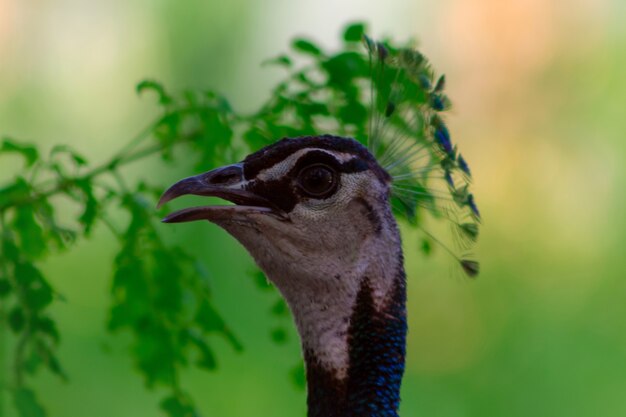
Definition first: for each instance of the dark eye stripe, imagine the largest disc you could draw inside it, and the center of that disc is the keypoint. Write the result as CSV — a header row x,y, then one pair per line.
x,y
281,192
285,193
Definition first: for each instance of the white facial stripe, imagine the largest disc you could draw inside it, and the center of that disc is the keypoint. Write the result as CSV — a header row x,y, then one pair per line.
x,y
279,169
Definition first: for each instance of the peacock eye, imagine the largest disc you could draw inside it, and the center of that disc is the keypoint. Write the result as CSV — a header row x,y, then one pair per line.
x,y
317,180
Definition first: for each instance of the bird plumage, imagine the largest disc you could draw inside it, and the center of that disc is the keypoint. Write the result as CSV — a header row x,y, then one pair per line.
x,y
317,215
333,250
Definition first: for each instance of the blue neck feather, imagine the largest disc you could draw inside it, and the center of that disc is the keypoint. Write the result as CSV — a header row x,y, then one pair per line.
x,y
377,342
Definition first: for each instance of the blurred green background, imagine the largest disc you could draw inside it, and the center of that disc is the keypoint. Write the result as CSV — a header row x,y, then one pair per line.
x,y
539,93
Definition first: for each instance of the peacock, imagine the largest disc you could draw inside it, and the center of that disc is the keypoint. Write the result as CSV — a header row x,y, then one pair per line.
x,y
318,215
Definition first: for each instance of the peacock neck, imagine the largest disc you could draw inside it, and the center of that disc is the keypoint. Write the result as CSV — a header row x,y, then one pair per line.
x,y
348,300
376,340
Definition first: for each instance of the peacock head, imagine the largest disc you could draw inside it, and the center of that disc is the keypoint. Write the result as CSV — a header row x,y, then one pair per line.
x,y
307,207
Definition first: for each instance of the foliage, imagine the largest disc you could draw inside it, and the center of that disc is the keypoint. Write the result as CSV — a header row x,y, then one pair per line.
x,y
168,318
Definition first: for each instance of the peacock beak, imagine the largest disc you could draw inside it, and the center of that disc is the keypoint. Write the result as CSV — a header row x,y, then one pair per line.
x,y
227,183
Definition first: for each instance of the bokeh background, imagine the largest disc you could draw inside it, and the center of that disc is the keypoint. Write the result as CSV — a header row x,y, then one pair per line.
x,y
539,89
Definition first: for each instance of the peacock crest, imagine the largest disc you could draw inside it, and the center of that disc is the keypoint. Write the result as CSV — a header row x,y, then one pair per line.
x,y
411,141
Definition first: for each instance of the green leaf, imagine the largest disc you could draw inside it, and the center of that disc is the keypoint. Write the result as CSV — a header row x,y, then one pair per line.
x,y
168,130
298,376
90,213
216,137
9,249
129,290
168,291
151,85
208,318
156,352
5,287
29,152
47,326
203,273
279,335
280,308
282,60
255,139
55,367
261,280
32,363
37,292
354,32
19,190
32,241
307,47
206,359
178,406
426,247
311,109
17,319
26,403
47,356
344,67
353,113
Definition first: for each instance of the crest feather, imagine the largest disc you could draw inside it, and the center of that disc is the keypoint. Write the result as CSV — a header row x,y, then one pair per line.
x,y
411,141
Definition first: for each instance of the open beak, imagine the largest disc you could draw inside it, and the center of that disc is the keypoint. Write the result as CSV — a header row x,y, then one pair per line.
x,y
226,183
